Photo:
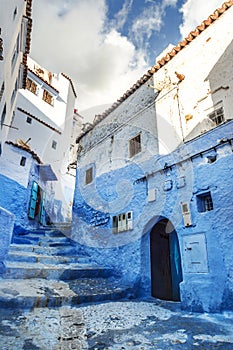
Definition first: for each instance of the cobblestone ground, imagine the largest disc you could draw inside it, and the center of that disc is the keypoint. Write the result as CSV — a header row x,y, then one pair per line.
x,y
125,325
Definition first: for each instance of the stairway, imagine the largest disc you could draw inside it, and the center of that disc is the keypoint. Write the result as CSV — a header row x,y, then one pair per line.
x,y
45,269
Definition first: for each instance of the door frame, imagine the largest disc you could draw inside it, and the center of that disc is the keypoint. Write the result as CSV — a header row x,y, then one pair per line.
x,y
165,259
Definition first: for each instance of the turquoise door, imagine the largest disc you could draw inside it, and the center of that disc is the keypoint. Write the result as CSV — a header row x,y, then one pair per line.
x,y
37,204
33,200
176,270
42,209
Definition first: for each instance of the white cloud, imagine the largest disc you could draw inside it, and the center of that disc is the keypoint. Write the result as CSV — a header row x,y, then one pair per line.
x,y
71,37
195,11
150,20
122,15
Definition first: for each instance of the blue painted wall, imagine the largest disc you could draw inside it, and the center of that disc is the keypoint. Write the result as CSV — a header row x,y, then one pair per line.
x,y
180,177
6,230
14,198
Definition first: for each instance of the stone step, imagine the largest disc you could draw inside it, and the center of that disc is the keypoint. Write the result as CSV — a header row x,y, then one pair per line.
x,y
28,256
23,270
21,293
47,250
45,241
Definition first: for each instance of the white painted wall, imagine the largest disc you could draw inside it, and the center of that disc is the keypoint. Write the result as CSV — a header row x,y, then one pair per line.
x,y
10,31
206,64
58,116
133,116
10,165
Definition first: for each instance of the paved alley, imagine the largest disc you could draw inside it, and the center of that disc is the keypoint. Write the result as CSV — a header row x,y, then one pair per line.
x,y
123,325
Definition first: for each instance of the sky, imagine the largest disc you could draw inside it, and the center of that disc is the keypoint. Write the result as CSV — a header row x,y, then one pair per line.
x,y
105,46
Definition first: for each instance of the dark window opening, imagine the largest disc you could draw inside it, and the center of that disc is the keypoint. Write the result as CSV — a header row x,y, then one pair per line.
x,y
135,146
2,90
29,120
23,161
217,116
89,176
204,202
3,116
54,144
15,12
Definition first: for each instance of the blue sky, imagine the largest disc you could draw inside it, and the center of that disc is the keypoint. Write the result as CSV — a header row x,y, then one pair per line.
x,y
105,46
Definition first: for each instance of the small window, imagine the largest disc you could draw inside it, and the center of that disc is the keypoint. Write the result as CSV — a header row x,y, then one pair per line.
x,y
204,202
47,97
217,116
3,116
135,146
31,86
122,222
15,12
2,90
14,92
29,120
89,176
23,161
54,144
15,53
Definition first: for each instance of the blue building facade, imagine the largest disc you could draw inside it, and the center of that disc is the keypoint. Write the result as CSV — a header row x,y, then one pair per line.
x,y
176,244
154,176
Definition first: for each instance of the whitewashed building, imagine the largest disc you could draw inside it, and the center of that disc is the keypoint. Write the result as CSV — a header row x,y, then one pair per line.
x,y
154,175
44,120
15,36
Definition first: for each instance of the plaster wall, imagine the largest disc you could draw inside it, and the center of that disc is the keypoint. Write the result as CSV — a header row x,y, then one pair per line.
x,y
177,178
182,107
11,20
107,144
41,135
6,230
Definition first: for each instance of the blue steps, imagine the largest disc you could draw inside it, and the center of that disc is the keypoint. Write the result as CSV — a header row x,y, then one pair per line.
x,y
45,269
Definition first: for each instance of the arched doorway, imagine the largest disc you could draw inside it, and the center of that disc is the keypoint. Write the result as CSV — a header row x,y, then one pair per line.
x,y
166,272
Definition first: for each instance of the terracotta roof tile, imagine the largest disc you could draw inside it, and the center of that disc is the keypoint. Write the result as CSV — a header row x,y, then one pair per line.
x,y
71,83
24,148
191,36
45,81
28,39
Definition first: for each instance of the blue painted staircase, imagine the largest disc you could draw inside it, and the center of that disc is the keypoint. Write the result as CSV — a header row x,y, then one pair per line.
x,y
45,269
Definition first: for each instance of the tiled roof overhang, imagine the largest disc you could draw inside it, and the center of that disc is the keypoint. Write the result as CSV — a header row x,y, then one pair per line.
x,y
39,120
163,61
28,40
24,148
71,83
44,81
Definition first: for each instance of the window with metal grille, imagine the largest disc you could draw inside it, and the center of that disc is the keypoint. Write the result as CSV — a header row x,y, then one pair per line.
x,y
31,86
135,145
122,222
204,202
89,176
47,97
217,116
23,161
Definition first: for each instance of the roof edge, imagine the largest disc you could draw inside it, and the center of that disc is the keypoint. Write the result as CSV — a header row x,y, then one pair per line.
x,y
163,61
